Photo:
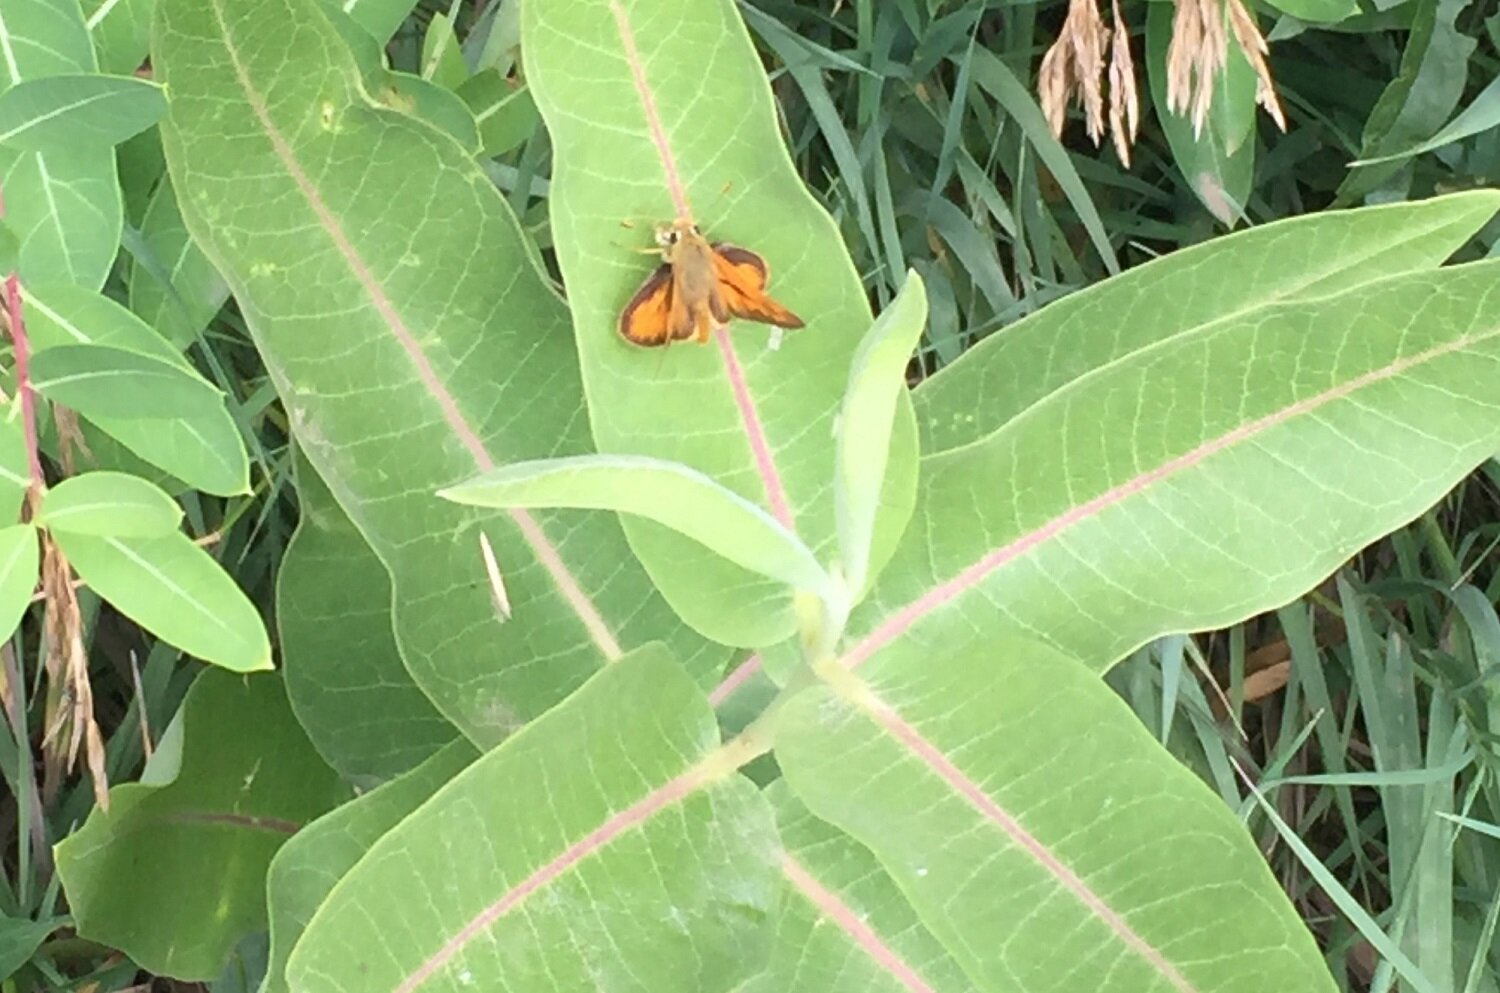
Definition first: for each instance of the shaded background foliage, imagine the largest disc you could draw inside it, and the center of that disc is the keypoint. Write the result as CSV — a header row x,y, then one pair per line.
x,y
916,124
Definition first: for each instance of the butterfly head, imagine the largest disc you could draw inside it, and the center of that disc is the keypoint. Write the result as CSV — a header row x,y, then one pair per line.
x,y
668,236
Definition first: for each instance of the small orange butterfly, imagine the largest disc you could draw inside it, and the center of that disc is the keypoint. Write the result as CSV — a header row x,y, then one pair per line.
x,y
699,287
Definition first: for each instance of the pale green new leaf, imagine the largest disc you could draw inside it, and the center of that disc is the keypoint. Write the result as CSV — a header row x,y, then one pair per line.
x,y
333,219
877,382
308,866
20,558
60,112
607,845
666,492
65,204
109,504
1085,859
175,590
1185,293
204,450
233,779
343,671
109,382
674,138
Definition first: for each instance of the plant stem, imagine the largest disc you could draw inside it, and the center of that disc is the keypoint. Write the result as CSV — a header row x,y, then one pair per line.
x,y
23,378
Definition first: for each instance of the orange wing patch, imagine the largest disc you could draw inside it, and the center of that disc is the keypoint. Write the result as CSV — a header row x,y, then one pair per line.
x,y
649,317
741,279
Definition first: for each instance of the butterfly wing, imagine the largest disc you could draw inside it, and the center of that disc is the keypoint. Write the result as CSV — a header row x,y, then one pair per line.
x,y
741,278
652,314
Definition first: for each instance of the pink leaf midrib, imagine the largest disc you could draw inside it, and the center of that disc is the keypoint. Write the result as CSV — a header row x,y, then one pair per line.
x,y
669,793
844,917
744,401
546,552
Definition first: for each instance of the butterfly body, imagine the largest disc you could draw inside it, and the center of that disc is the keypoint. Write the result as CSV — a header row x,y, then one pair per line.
x,y
697,289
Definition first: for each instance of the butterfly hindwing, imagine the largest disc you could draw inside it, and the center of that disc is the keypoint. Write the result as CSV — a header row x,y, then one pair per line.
x,y
741,276
648,318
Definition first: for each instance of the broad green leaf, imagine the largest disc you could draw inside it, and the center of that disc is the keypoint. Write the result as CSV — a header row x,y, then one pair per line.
x,y
505,112
60,112
308,866
442,59
64,205
1088,858
414,342
1332,402
1186,293
1317,11
175,590
607,845
1479,116
104,381
876,383
841,925
380,18
181,307
195,841
20,558
121,30
109,504
426,101
20,937
674,139
343,672
204,451
666,492
1420,99
1218,163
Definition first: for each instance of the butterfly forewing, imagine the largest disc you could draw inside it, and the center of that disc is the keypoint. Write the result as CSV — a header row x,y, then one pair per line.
x,y
742,278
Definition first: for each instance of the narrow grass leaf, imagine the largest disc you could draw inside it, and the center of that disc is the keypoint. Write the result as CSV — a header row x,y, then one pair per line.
x,y
181,296
995,77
